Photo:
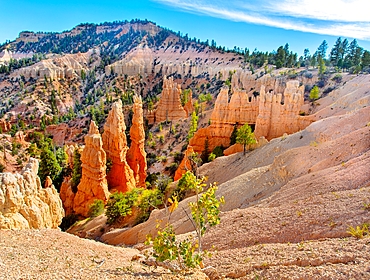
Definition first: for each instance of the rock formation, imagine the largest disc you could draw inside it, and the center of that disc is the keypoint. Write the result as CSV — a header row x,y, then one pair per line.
x,y
5,125
169,106
279,114
93,183
184,165
25,204
136,156
121,176
61,67
139,61
188,107
67,196
270,114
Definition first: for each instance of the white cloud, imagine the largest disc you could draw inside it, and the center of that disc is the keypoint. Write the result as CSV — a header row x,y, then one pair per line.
x,y
330,10
330,17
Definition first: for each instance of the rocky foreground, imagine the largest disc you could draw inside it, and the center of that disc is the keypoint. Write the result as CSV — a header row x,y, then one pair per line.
x,y
52,254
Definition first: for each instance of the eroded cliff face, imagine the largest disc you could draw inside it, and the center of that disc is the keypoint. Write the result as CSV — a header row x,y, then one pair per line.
x,y
120,177
24,204
138,61
61,67
271,114
93,184
169,107
279,113
136,156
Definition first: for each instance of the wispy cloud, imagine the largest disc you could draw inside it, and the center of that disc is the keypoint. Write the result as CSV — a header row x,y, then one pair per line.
x,y
347,18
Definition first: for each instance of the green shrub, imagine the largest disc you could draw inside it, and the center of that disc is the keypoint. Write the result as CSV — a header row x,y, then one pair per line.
x,y
211,157
337,78
218,151
2,168
96,208
120,205
147,202
204,214
314,93
172,168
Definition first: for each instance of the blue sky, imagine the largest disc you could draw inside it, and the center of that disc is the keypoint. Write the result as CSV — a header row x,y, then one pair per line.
x,y
261,24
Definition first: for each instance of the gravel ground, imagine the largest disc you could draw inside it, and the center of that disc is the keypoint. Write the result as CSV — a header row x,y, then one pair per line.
x,y
52,254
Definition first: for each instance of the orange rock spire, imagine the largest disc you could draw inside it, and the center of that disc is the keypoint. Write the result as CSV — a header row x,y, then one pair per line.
x,y
93,183
136,156
121,176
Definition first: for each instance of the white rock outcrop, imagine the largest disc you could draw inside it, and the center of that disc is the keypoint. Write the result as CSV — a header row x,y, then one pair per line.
x,y
25,204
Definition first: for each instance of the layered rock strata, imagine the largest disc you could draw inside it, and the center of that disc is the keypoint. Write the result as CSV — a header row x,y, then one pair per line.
x,y
271,115
24,204
93,184
136,156
67,66
120,176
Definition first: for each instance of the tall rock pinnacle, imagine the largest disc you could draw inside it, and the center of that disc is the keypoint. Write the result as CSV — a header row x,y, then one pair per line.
x,y
121,176
136,156
93,183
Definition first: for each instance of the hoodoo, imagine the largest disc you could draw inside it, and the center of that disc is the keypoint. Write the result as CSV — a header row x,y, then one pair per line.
x,y
120,177
136,156
93,183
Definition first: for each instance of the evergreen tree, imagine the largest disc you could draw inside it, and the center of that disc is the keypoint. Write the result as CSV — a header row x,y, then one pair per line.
x,y
335,53
245,136
49,165
321,50
353,58
205,154
280,57
77,170
233,135
314,93
365,60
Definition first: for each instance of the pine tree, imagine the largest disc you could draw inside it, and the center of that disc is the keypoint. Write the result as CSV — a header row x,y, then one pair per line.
x,y
77,170
245,136
49,165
